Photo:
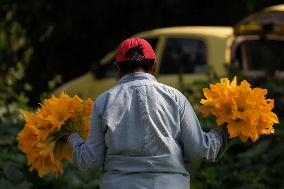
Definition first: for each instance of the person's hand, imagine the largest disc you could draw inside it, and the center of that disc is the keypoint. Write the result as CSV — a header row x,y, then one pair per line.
x,y
224,128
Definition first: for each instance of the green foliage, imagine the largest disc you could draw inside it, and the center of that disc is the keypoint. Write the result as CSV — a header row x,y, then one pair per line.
x,y
12,97
256,165
15,54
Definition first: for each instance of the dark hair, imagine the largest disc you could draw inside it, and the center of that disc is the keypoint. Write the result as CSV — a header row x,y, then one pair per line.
x,y
136,59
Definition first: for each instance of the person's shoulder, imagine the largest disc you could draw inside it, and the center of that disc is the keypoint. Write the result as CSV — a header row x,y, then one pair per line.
x,y
175,93
102,99
103,96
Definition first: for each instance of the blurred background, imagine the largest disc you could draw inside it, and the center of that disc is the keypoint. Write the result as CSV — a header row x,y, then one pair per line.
x,y
44,44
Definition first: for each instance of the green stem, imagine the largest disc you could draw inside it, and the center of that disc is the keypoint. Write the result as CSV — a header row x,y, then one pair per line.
x,y
229,144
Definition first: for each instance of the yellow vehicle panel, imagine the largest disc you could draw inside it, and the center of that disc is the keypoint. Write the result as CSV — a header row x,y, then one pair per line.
x,y
216,42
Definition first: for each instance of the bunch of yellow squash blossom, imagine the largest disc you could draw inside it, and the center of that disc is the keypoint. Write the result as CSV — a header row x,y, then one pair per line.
x,y
42,138
244,110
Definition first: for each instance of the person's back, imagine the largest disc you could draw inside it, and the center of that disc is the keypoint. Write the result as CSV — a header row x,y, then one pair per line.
x,y
141,124
145,114
141,131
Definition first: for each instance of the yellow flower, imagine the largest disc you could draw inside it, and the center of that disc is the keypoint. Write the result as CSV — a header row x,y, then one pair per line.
x,y
218,100
41,136
245,111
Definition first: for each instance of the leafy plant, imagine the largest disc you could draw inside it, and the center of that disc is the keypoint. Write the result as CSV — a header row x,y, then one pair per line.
x,y
15,54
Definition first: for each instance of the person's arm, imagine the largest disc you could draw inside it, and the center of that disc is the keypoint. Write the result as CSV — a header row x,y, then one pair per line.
x,y
91,153
195,142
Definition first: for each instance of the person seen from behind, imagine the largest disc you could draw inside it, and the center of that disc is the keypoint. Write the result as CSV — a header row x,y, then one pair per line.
x,y
142,131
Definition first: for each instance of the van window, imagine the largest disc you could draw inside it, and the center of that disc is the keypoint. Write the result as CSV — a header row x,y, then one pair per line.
x,y
184,55
261,55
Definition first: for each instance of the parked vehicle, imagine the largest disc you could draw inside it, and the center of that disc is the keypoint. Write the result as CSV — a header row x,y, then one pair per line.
x,y
255,45
182,55
258,45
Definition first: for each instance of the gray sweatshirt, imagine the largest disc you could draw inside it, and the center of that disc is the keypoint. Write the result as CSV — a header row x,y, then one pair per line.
x,y
140,134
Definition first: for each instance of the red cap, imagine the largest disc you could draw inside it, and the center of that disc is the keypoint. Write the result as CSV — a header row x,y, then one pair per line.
x,y
148,52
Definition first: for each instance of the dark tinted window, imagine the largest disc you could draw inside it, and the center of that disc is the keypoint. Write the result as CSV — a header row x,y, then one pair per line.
x,y
184,55
266,55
